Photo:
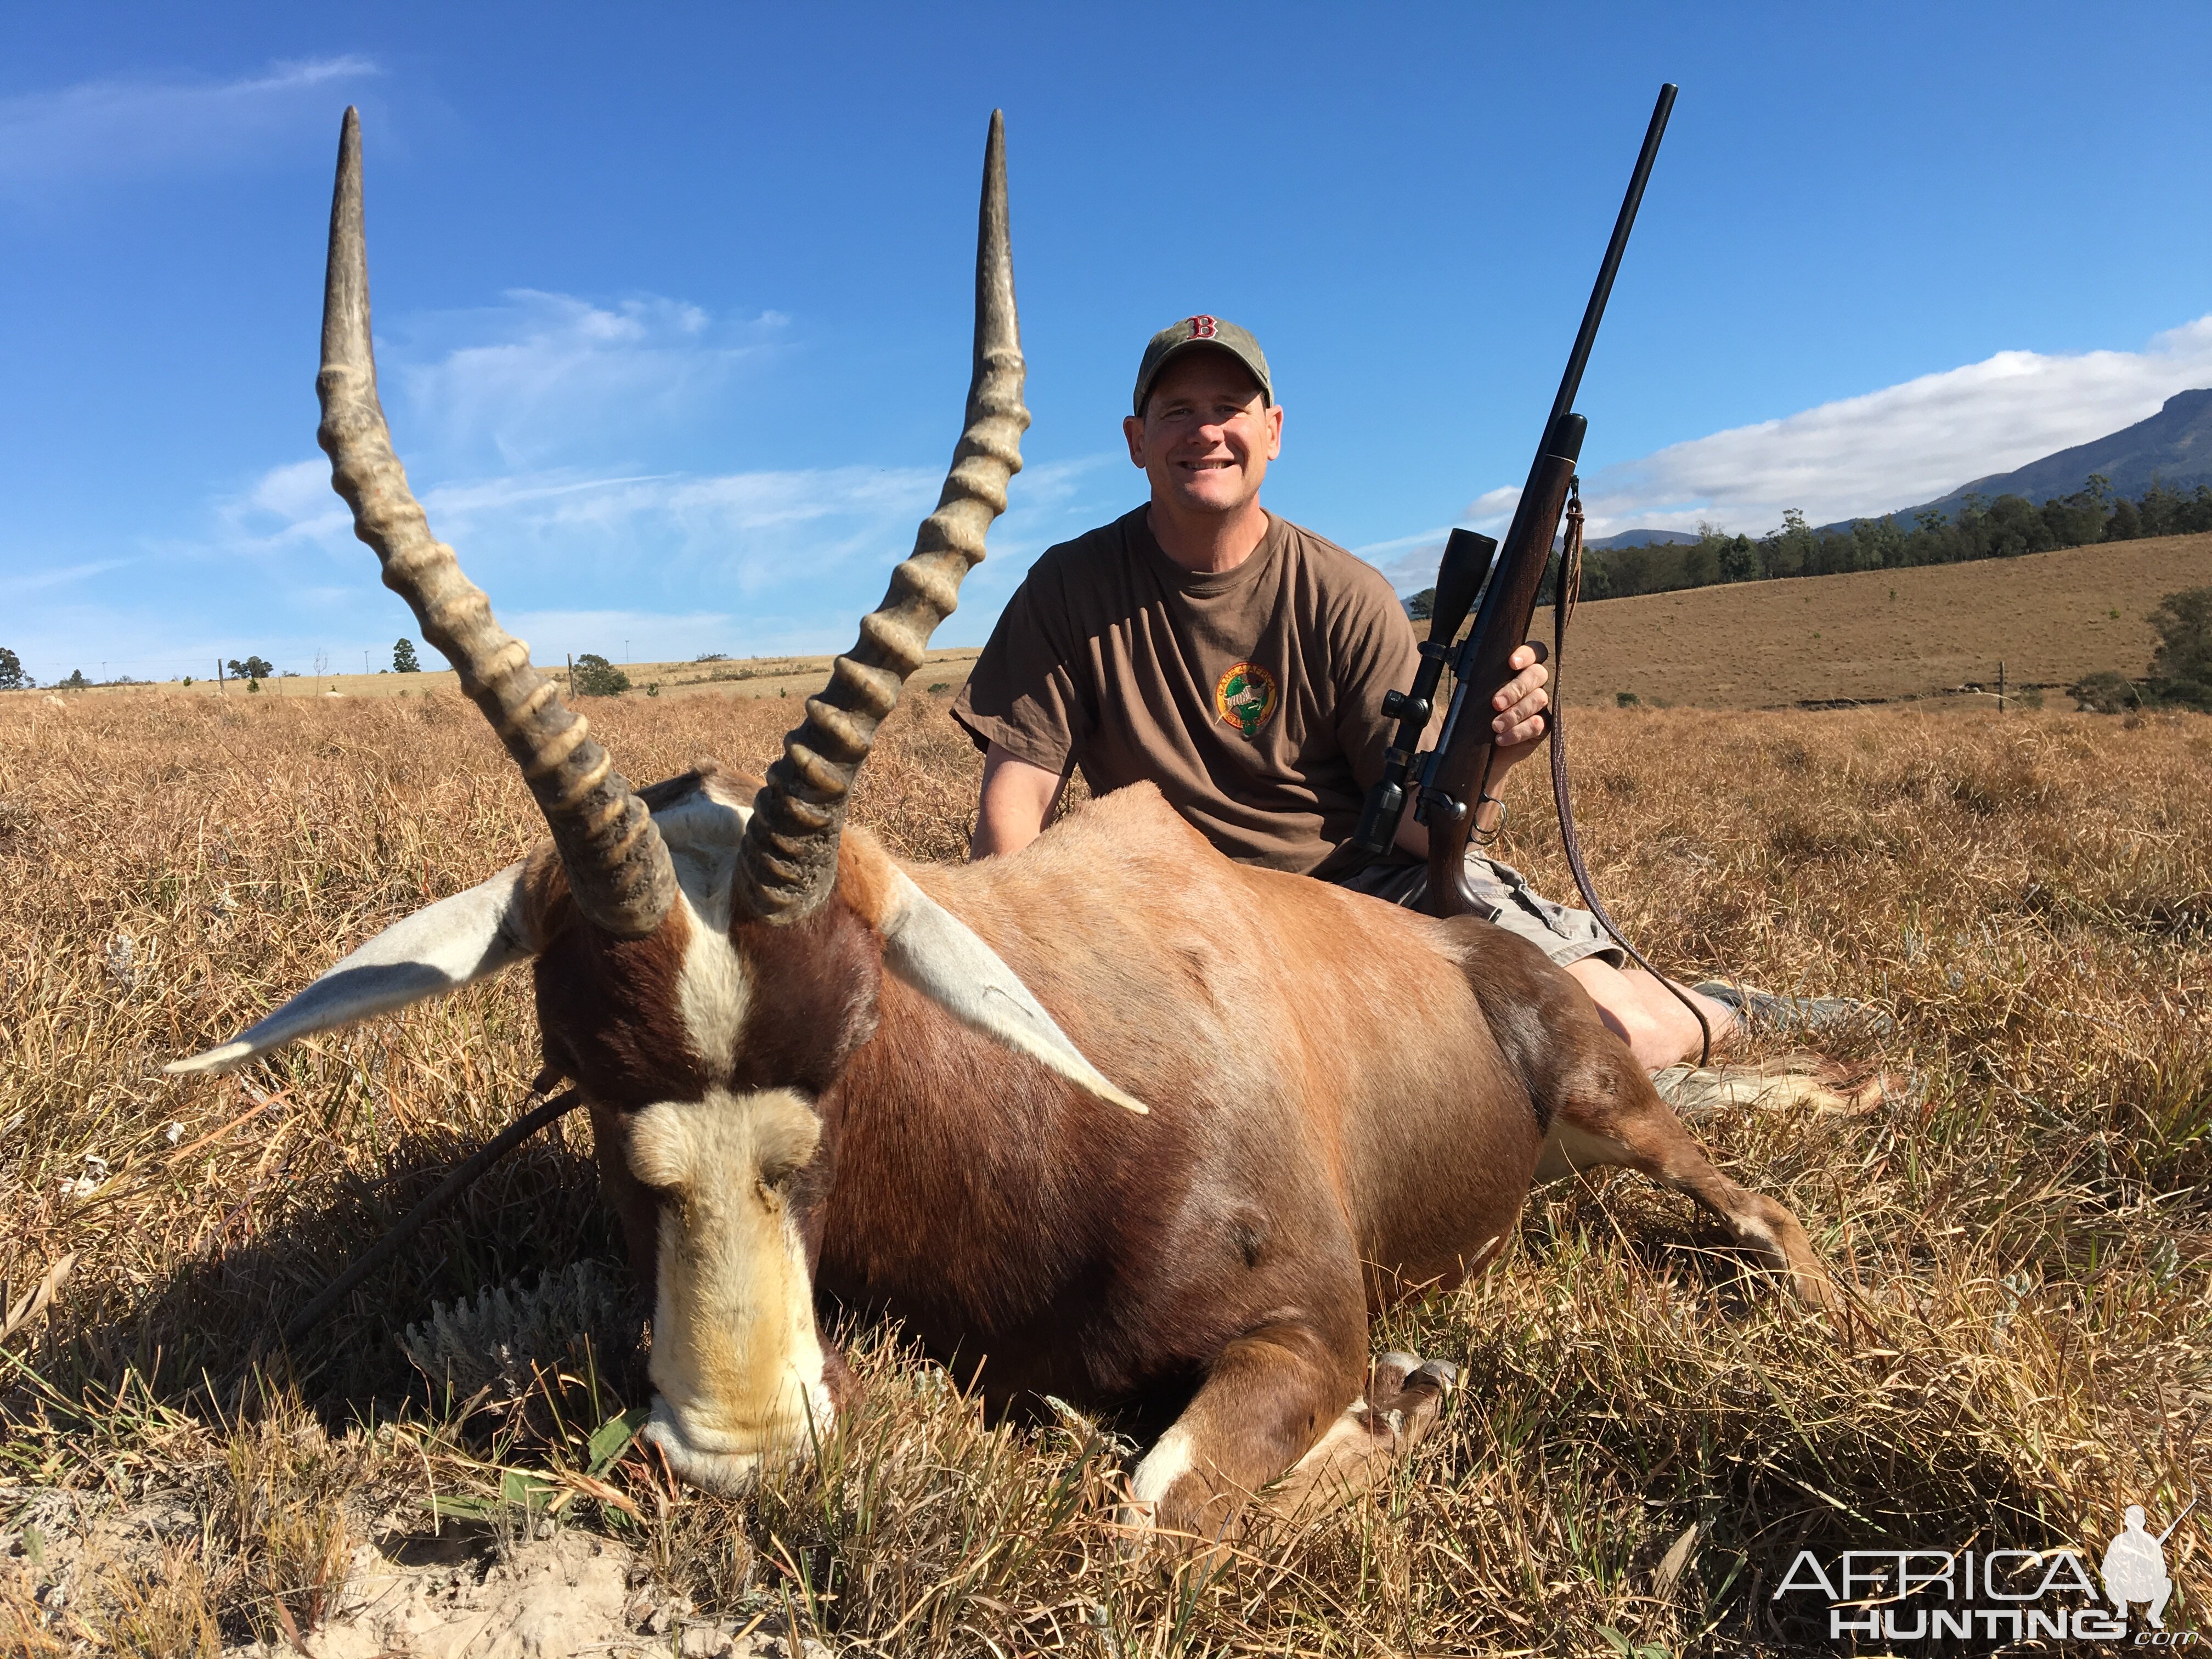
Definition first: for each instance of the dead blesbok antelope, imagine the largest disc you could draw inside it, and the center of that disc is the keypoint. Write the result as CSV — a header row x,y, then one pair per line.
x,y
1144,1127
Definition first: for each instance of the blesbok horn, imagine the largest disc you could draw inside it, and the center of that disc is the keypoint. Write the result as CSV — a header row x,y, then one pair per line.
x,y
618,869
789,860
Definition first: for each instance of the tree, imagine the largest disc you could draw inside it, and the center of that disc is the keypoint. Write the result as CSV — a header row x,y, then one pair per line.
x,y
77,681
402,657
1701,564
12,677
2181,667
595,676
1632,570
253,668
1738,559
1790,550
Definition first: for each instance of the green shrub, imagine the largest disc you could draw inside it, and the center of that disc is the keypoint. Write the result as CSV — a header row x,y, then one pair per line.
x,y
2105,692
595,676
2181,667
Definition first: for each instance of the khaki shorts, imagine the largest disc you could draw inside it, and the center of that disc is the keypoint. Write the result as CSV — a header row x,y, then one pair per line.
x,y
1503,896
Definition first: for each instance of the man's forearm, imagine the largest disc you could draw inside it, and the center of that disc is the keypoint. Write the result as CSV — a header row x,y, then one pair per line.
x,y
1011,809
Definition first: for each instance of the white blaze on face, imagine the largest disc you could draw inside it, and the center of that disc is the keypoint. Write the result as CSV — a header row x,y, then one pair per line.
x,y
737,1360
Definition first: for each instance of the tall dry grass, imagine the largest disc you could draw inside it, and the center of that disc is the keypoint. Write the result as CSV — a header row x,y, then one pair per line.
x,y
2032,897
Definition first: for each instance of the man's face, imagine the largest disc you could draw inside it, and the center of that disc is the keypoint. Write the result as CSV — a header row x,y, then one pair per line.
x,y
1206,434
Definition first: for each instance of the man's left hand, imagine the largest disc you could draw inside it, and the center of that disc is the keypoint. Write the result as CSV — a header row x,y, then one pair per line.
x,y
1518,725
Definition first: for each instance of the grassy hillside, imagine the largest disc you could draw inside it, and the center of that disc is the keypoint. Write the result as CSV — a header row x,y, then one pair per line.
x,y
1883,634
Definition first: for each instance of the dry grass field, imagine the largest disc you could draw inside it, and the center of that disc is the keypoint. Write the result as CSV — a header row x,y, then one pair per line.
x,y
1880,634
746,677
1872,637
1647,1434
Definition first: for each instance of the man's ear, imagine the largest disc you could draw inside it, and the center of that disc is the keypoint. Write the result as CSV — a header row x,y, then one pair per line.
x,y
437,950
941,957
1132,428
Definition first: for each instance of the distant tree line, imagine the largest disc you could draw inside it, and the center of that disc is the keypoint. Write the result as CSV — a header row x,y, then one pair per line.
x,y
2003,528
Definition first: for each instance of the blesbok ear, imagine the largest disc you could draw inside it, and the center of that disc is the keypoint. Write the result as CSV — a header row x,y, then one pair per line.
x,y
438,949
941,957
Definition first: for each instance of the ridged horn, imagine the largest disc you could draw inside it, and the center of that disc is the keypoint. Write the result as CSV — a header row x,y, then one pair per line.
x,y
789,860
618,870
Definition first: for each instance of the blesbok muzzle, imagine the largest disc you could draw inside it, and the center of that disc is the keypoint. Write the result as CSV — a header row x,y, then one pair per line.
x,y
737,1364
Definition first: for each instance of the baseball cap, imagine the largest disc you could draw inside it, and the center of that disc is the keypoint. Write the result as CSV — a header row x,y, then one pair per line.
x,y
1201,333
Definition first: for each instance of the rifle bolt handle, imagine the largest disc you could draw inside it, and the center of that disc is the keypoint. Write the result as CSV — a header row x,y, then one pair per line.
x,y
1450,809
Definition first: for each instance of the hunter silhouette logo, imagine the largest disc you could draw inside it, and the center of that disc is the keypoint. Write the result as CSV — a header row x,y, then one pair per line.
x,y
2135,1567
1245,697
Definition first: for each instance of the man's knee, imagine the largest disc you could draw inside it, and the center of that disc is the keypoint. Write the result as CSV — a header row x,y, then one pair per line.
x,y
1657,1030
1653,1037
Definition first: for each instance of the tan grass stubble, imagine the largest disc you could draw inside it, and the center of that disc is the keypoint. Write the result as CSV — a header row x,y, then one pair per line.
x,y
2028,1226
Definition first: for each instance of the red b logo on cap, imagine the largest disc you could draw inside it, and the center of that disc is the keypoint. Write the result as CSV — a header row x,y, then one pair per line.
x,y
1201,328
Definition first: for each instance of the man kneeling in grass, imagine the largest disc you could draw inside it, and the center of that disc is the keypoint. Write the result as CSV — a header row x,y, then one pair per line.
x,y
1239,662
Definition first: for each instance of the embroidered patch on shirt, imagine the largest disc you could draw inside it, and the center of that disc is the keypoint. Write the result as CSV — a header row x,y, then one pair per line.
x,y
1246,698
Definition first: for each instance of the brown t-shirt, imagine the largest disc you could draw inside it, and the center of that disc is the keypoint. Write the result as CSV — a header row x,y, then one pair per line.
x,y
1252,697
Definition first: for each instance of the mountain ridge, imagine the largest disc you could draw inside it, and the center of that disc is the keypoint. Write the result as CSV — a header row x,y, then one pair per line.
x,y
2173,447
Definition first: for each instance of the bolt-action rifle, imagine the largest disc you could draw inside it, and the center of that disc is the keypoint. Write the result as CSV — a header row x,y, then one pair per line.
x,y
1453,778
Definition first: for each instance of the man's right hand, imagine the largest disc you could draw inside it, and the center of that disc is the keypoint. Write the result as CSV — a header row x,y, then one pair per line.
x,y
1016,803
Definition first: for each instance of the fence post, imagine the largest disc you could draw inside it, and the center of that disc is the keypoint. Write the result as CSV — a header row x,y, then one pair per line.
x,y
2001,689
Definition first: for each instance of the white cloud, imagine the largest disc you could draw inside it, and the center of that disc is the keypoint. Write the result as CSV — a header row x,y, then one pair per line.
x,y
515,422
1861,456
739,533
123,127
39,580
1903,443
558,375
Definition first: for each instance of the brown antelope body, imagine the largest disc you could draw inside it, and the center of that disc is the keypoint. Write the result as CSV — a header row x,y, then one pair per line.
x,y
1120,1120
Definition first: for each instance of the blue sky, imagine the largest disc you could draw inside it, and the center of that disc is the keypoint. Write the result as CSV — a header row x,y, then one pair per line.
x,y
671,303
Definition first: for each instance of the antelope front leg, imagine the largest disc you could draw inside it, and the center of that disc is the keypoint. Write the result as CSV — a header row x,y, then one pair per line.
x,y
1283,1421
1271,1394
1400,1407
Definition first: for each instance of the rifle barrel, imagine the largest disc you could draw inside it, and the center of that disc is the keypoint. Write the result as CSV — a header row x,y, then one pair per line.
x,y
1571,381
1453,781
2178,1520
